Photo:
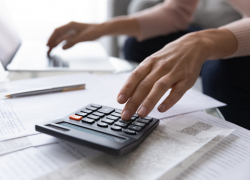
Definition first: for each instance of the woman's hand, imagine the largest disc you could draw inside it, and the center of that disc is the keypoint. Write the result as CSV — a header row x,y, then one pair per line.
x,y
73,33
176,67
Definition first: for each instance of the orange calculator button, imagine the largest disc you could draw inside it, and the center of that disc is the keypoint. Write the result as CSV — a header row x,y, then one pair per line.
x,y
75,117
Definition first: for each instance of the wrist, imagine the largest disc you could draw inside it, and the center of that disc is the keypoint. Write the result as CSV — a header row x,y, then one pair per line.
x,y
120,26
219,42
202,44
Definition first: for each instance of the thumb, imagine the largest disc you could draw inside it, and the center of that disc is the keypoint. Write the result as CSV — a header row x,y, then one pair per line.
x,y
70,42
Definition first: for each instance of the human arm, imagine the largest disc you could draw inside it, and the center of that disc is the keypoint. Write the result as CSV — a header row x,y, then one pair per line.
x,y
167,17
75,32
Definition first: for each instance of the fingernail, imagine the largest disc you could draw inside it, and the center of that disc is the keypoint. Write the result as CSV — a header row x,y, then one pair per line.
x,y
126,115
121,98
162,107
142,112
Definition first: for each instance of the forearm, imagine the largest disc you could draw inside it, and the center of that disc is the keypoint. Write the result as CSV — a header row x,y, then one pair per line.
x,y
120,26
221,42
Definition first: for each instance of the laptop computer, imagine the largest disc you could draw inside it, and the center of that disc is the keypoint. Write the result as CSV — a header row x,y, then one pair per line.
x,y
16,55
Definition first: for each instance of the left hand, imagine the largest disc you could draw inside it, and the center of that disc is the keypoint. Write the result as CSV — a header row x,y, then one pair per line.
x,y
176,67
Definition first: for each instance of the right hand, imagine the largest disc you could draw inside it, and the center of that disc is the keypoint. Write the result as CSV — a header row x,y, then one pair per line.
x,y
73,33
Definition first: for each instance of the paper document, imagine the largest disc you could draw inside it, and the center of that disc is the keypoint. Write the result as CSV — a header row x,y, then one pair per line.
x,y
229,160
31,163
9,122
42,139
181,167
174,140
12,145
190,102
20,143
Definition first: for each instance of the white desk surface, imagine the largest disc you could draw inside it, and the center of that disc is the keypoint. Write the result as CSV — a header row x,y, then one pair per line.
x,y
119,64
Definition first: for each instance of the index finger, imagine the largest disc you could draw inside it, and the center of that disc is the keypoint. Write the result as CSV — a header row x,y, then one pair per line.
x,y
136,76
58,32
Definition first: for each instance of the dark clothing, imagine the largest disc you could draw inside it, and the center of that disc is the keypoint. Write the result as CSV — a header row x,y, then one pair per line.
x,y
226,80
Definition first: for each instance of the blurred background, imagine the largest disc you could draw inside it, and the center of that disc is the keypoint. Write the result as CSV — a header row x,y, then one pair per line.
x,y
35,20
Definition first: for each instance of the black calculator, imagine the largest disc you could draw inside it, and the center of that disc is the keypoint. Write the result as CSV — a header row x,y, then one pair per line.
x,y
101,128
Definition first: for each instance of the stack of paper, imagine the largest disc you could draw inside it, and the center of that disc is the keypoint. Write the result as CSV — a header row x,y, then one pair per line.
x,y
225,157
170,151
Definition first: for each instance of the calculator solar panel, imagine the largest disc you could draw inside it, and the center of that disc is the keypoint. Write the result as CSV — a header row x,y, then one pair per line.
x,y
101,128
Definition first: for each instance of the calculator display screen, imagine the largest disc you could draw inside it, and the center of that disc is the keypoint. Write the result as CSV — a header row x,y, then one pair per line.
x,y
98,133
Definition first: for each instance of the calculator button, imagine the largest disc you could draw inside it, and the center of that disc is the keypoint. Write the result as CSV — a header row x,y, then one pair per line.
x,y
102,124
143,121
87,120
133,118
128,131
135,128
112,117
148,118
128,122
116,114
86,111
121,124
98,114
139,124
96,106
75,117
108,121
81,114
116,128
118,111
93,117
91,108
135,115
106,110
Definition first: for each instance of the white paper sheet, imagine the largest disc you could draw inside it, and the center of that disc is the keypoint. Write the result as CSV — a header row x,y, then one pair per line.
x,y
42,139
190,102
174,140
10,124
99,89
181,167
32,163
12,145
229,160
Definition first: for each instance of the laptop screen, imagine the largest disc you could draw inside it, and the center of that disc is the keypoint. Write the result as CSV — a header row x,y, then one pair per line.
x,y
9,39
